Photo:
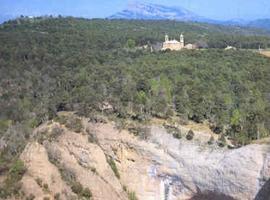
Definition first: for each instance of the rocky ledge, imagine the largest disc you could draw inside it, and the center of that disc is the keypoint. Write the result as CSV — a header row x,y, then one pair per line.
x,y
112,164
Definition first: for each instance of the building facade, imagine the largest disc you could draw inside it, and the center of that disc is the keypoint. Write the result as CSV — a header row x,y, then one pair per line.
x,y
173,44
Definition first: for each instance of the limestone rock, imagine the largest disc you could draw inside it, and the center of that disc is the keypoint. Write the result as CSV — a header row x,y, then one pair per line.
x,y
159,168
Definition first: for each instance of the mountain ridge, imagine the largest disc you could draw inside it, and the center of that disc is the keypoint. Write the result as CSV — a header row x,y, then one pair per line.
x,y
156,12
149,11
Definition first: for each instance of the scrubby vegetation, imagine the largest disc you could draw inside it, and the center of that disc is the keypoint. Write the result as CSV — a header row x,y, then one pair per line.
x,y
69,177
113,167
222,141
11,186
190,135
72,122
67,64
176,133
132,196
78,189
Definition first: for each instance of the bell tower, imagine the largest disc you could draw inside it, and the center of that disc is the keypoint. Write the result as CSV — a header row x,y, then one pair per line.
x,y
182,41
166,38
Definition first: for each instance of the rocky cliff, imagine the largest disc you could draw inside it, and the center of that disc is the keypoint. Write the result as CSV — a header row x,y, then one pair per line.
x,y
101,162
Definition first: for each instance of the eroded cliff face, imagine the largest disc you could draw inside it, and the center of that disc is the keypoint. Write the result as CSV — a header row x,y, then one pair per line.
x,y
158,168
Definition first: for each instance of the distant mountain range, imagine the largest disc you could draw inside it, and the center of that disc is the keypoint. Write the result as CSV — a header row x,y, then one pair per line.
x,y
260,23
156,12
147,11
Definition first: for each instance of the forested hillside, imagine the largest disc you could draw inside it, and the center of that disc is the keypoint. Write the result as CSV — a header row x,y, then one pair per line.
x,y
48,65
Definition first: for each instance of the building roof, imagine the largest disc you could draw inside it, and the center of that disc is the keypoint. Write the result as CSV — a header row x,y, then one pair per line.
x,y
172,42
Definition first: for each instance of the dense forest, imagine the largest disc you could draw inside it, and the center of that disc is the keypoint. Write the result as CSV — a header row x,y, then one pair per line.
x,y
53,64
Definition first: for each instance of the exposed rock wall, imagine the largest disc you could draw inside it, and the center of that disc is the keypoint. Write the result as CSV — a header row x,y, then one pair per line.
x,y
161,168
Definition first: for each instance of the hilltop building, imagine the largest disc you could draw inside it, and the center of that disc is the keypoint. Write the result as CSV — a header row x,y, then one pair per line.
x,y
173,44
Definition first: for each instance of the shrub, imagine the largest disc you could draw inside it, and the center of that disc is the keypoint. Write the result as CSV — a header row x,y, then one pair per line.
x,y
17,170
57,196
61,119
177,135
93,169
51,135
39,181
95,118
77,188
4,124
113,166
92,138
11,184
87,193
190,135
125,188
15,140
55,132
74,124
217,129
222,141
46,187
211,140
142,132
132,196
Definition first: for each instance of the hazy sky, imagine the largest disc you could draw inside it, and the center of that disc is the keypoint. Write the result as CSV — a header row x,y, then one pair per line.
x,y
216,9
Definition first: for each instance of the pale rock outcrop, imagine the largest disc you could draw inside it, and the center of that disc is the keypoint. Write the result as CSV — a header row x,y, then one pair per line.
x,y
167,168
41,171
159,168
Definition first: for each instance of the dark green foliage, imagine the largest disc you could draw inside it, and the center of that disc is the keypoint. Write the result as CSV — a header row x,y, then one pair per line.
x,y
87,193
46,187
113,167
174,131
4,125
130,43
68,64
15,139
39,181
93,169
56,132
78,189
12,185
190,135
57,196
222,141
139,130
132,196
72,122
125,188
92,138
177,135
17,170
50,135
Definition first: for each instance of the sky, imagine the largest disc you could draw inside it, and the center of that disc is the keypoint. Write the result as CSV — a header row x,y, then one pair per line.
x,y
214,9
